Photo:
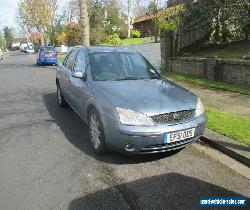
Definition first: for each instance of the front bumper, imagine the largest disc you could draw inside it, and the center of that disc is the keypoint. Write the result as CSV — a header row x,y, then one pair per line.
x,y
149,139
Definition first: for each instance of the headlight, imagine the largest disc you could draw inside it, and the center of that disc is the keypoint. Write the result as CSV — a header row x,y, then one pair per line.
x,y
199,108
130,117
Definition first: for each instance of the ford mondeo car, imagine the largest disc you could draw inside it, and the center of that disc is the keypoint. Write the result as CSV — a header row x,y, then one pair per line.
x,y
127,105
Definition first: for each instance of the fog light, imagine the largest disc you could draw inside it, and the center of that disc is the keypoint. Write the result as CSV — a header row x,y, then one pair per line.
x,y
129,147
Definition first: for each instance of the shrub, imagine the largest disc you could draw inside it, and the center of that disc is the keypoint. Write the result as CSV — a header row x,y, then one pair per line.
x,y
98,36
114,39
135,33
123,32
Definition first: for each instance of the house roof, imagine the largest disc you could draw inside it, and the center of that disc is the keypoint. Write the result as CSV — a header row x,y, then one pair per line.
x,y
151,16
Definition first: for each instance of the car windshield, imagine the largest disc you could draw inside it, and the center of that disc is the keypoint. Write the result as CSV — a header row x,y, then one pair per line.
x,y
121,66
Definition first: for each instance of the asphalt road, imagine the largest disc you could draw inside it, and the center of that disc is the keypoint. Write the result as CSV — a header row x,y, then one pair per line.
x,y
46,161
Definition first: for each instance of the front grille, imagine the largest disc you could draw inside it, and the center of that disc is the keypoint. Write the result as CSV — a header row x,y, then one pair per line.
x,y
173,117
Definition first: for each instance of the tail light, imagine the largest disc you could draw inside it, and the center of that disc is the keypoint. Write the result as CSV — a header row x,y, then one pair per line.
x,y
54,55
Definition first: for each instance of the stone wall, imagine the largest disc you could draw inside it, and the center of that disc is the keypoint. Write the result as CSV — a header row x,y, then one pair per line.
x,y
230,71
151,51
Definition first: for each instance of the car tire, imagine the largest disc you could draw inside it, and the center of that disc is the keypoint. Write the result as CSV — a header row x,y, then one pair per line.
x,y
60,99
96,133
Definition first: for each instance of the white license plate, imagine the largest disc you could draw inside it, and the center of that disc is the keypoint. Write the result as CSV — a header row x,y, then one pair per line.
x,y
178,135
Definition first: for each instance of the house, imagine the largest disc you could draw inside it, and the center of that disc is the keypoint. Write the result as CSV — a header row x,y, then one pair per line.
x,y
145,24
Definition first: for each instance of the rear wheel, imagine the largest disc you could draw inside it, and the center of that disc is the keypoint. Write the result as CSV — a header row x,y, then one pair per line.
x,y
60,99
97,137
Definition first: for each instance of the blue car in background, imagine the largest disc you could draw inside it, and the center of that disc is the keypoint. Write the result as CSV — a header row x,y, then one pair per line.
x,y
47,55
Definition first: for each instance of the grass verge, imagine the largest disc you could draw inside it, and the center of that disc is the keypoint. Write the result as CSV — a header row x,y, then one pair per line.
x,y
229,125
208,83
60,58
129,41
233,50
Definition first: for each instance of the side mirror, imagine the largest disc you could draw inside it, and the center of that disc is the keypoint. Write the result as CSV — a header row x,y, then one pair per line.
x,y
79,75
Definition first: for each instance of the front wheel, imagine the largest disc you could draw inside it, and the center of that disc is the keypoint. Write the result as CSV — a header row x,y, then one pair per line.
x,y
60,99
97,137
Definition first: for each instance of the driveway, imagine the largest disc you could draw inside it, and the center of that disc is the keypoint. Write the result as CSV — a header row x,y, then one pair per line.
x,y
46,161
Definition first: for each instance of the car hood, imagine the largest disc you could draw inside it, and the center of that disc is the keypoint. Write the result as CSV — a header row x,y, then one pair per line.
x,y
151,97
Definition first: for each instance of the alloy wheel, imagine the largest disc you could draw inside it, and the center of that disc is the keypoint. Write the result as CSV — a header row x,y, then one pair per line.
x,y
95,133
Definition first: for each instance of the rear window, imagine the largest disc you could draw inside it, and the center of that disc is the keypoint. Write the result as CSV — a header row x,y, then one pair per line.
x,y
49,49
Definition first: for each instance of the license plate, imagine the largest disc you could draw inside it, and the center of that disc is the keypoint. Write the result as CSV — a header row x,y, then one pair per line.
x,y
178,135
48,55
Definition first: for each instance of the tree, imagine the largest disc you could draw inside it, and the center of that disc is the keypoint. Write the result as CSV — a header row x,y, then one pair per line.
x,y
140,9
73,36
172,3
153,9
84,22
2,42
129,21
39,15
9,36
51,28
226,20
246,27
71,11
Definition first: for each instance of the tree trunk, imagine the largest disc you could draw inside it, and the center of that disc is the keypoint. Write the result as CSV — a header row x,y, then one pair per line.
x,y
84,21
129,18
156,19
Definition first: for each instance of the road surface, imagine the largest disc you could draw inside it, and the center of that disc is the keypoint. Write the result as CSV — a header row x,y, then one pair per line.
x,y
46,161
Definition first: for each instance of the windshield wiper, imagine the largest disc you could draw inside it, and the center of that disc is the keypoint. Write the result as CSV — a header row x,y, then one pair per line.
x,y
130,78
155,77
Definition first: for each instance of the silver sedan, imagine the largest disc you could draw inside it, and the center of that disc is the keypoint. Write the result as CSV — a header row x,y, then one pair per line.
x,y
128,106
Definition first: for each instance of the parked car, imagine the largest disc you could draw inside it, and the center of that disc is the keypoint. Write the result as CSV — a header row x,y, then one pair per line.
x,y
128,106
30,49
46,55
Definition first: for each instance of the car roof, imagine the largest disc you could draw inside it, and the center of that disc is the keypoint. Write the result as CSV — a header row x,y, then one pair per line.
x,y
94,49
46,47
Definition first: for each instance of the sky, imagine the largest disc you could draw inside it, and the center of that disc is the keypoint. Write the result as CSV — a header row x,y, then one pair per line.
x,y
8,10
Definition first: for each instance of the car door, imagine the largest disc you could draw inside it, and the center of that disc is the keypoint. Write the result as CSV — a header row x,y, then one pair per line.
x,y
66,74
79,87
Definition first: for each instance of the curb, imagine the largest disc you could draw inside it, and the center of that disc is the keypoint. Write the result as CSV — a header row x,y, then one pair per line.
x,y
230,153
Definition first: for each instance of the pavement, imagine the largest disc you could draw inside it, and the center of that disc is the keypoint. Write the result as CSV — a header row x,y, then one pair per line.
x,y
234,103
226,101
46,161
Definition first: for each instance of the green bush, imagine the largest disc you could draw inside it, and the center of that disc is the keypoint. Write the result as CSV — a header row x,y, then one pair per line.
x,y
123,32
114,39
98,36
135,33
